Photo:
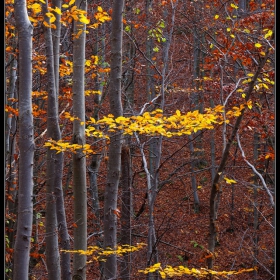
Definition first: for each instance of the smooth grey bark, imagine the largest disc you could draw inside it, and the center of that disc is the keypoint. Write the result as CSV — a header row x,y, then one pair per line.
x,y
96,158
54,160
125,220
196,104
10,140
10,121
64,242
256,204
129,57
114,161
11,162
215,188
26,144
56,35
153,150
126,161
152,255
79,159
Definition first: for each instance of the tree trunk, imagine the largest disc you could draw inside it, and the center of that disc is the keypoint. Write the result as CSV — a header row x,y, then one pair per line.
x,y
215,189
60,209
114,162
26,144
125,238
54,161
11,162
79,160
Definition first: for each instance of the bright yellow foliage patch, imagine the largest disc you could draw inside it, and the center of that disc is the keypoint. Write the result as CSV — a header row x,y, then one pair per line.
x,y
150,123
170,271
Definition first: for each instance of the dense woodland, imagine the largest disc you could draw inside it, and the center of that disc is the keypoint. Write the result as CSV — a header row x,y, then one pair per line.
x,y
139,139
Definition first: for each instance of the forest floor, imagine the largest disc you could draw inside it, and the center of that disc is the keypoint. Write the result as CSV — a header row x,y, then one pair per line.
x,y
245,233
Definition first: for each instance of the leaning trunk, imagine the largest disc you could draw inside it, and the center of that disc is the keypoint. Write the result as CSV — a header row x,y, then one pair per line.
x,y
215,189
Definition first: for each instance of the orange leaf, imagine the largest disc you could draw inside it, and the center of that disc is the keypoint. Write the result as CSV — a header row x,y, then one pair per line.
x,y
35,255
117,212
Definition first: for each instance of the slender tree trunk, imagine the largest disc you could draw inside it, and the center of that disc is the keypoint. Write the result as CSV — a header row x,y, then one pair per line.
x,y
79,160
114,162
54,161
56,33
256,204
11,162
215,189
196,104
10,142
125,238
60,209
126,188
26,144
96,158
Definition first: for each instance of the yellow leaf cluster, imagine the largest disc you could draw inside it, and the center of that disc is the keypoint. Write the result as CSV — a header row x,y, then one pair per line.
x,y
236,111
61,146
154,123
100,254
170,271
89,92
101,15
150,123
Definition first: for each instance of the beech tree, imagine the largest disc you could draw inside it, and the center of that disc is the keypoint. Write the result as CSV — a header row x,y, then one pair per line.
x,y
114,161
26,145
54,161
79,160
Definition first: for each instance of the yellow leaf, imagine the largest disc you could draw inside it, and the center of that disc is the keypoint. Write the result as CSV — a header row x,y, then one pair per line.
x,y
57,10
250,74
249,104
36,8
84,20
211,46
71,2
229,181
216,16
258,45
178,113
199,187
99,9
233,6
268,34
232,36
228,29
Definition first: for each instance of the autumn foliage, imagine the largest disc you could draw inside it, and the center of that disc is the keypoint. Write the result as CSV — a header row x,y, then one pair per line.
x,y
192,77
